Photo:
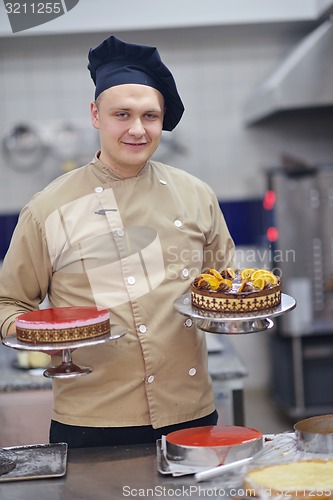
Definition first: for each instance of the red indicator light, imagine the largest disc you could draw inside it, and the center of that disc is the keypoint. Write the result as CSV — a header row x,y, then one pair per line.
x,y
269,200
272,233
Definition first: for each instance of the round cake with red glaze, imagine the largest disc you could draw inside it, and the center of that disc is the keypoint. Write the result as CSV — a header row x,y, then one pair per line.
x,y
62,324
213,444
228,291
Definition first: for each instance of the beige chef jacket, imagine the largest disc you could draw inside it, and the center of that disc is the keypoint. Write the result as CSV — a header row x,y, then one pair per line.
x,y
132,246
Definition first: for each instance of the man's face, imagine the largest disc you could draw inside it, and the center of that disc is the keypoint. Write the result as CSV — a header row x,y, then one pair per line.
x,y
130,119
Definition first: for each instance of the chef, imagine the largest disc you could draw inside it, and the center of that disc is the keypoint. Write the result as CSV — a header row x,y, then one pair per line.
x,y
126,233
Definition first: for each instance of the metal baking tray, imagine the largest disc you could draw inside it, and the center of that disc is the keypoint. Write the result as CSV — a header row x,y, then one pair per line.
x,y
37,461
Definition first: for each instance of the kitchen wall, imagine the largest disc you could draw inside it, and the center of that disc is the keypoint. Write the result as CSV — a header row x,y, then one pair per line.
x,y
45,83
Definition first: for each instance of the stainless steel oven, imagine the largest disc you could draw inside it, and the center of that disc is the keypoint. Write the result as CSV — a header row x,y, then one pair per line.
x,y
302,348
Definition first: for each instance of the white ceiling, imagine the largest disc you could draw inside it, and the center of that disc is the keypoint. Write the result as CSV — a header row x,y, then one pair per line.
x,y
115,15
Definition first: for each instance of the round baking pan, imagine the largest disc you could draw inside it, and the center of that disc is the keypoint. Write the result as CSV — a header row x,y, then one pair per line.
x,y
212,445
315,434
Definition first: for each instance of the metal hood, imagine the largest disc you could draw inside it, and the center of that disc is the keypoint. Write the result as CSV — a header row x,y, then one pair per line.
x,y
303,80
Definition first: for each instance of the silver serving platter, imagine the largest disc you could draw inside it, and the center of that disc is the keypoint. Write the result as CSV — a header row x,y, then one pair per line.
x,y
232,323
66,369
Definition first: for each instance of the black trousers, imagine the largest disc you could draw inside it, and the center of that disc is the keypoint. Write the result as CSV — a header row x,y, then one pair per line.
x,y
86,437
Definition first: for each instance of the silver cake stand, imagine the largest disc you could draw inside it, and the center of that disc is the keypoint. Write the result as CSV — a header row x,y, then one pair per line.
x,y
232,323
67,368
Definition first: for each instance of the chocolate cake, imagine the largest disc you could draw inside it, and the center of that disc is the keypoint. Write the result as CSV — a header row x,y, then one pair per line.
x,y
229,291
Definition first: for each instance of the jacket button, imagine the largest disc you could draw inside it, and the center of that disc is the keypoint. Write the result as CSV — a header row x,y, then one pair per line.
x,y
178,223
192,372
99,189
142,328
150,379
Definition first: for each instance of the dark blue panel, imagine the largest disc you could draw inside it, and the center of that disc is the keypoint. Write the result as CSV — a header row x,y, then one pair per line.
x,y
246,219
7,226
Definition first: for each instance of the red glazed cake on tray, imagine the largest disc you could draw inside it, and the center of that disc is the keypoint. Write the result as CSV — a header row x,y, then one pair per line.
x,y
62,324
229,291
212,445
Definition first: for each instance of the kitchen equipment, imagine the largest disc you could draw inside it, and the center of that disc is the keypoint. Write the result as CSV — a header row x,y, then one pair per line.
x,y
68,140
23,148
212,445
300,209
304,257
295,84
37,461
315,434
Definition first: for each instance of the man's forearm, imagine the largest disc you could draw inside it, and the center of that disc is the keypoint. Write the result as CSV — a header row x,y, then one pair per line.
x,y
12,329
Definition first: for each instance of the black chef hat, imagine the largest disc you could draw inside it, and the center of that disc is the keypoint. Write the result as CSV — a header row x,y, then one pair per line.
x,y
115,62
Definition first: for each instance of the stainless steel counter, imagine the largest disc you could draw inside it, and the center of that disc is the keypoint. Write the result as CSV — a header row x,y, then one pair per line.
x,y
15,379
110,473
